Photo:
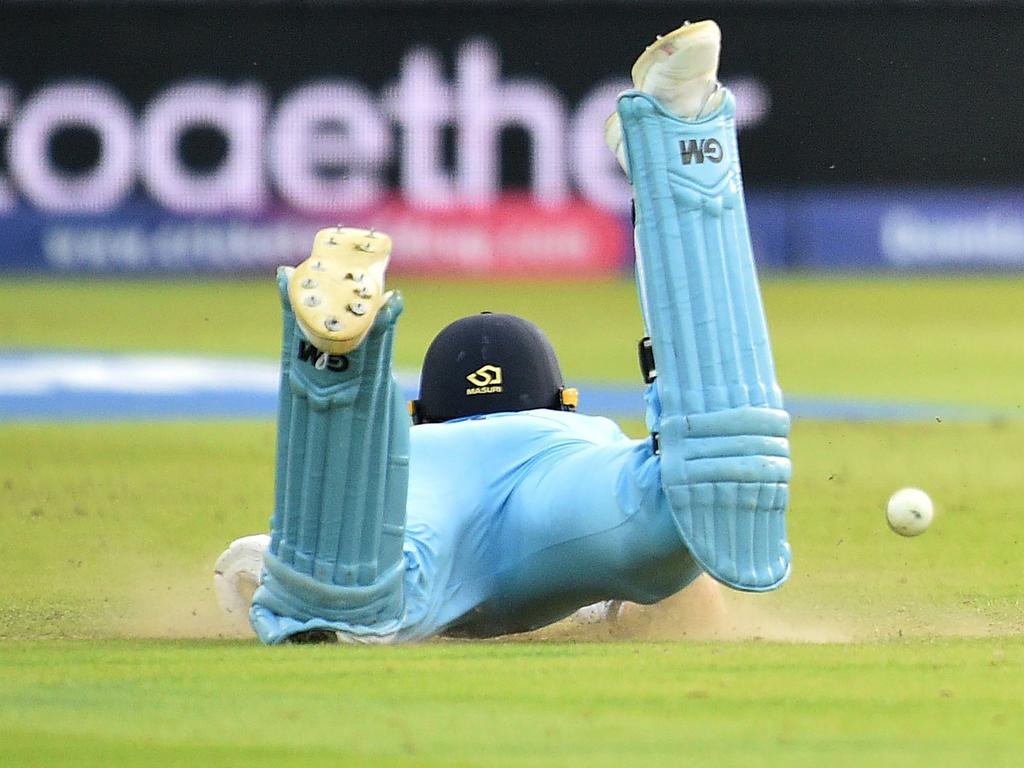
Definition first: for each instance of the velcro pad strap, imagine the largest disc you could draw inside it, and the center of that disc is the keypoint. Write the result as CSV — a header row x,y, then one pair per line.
x,y
645,354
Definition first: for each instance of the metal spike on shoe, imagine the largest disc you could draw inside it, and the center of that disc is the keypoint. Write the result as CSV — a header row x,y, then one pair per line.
x,y
345,262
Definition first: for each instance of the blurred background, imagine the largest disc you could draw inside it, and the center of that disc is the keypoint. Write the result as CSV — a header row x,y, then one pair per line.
x,y
215,137
194,146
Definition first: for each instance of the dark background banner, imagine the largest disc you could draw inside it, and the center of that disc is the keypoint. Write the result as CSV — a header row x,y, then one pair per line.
x,y
485,107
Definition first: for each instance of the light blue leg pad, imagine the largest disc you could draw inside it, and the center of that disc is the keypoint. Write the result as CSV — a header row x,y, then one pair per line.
x,y
335,557
715,403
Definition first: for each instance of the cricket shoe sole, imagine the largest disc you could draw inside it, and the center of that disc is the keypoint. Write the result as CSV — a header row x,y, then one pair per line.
x,y
314,637
337,292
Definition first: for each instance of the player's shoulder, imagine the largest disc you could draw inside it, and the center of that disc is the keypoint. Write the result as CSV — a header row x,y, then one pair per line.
x,y
559,425
498,444
596,428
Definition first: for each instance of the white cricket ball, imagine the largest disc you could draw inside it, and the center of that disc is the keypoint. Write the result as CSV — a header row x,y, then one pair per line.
x,y
909,511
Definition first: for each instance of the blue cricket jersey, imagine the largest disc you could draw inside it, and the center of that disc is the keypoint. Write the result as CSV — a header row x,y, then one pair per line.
x,y
515,520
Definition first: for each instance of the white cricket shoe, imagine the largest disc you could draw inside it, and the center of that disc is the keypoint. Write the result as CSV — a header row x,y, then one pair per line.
x,y
236,575
680,70
599,613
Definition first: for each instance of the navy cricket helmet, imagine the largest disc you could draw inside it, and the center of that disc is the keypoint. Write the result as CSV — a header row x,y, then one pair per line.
x,y
489,363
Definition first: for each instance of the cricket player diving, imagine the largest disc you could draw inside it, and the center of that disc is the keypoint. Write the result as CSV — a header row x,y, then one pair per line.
x,y
497,508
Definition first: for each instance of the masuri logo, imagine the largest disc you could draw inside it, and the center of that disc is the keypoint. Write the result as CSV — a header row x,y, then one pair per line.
x,y
485,380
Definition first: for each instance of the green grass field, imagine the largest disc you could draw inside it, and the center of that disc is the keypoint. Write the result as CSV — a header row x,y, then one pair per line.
x,y
879,651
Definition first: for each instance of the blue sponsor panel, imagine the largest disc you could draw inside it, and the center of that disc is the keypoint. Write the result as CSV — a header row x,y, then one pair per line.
x,y
513,236
916,230
769,214
821,230
141,237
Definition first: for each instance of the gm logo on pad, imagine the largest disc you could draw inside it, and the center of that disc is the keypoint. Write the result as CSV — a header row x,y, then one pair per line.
x,y
693,151
485,380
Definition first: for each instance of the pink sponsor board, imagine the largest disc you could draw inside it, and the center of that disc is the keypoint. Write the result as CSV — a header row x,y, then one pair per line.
x,y
513,236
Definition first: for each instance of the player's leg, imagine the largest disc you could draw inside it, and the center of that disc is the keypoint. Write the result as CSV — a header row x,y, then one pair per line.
x,y
335,559
715,405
